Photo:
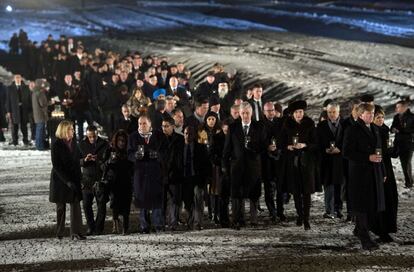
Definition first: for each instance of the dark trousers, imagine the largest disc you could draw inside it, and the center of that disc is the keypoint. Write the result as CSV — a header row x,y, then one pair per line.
x,y
302,205
173,198
75,218
237,206
125,218
405,158
15,133
332,195
97,224
149,218
361,226
269,192
279,203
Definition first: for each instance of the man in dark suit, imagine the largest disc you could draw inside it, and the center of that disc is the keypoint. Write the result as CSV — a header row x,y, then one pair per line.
x,y
127,122
271,162
197,118
362,145
174,172
18,107
257,103
330,134
403,127
245,142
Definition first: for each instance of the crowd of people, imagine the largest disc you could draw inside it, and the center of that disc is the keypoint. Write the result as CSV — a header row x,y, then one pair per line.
x,y
171,148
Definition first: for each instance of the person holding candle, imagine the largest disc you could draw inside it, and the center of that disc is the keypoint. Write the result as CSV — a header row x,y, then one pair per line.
x,y
386,221
366,173
299,144
330,135
244,144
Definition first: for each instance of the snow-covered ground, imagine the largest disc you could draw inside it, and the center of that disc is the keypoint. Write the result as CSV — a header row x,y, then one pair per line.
x,y
27,241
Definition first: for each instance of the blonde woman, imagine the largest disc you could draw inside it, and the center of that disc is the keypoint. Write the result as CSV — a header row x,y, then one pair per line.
x,y
65,186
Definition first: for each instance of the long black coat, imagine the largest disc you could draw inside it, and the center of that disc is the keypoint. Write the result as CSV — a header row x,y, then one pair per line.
x,y
119,171
12,103
173,159
271,160
298,170
245,163
65,178
366,178
331,165
405,136
386,222
148,178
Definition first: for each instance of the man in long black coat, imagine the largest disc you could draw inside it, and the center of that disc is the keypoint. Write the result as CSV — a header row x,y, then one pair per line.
x,y
403,126
271,163
366,172
174,173
244,144
330,134
3,121
18,107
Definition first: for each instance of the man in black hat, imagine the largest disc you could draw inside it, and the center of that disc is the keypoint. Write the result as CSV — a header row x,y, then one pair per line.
x,y
207,88
403,127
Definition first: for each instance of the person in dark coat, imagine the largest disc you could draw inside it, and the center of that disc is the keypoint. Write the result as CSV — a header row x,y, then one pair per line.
x,y
127,122
144,150
299,143
244,144
386,222
14,44
65,180
214,142
330,135
362,148
348,122
403,127
257,102
118,172
196,120
207,88
18,107
196,172
271,162
92,149
40,105
174,172
3,121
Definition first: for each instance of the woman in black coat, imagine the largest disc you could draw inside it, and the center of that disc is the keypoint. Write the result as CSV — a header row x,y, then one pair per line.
x,y
298,141
65,180
215,145
118,174
386,222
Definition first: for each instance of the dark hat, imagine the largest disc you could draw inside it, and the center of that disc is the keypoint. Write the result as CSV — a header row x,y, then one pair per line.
x,y
209,114
214,100
297,105
367,98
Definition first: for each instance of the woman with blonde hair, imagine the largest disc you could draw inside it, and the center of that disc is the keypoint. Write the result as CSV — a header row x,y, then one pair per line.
x,y
65,180
138,102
